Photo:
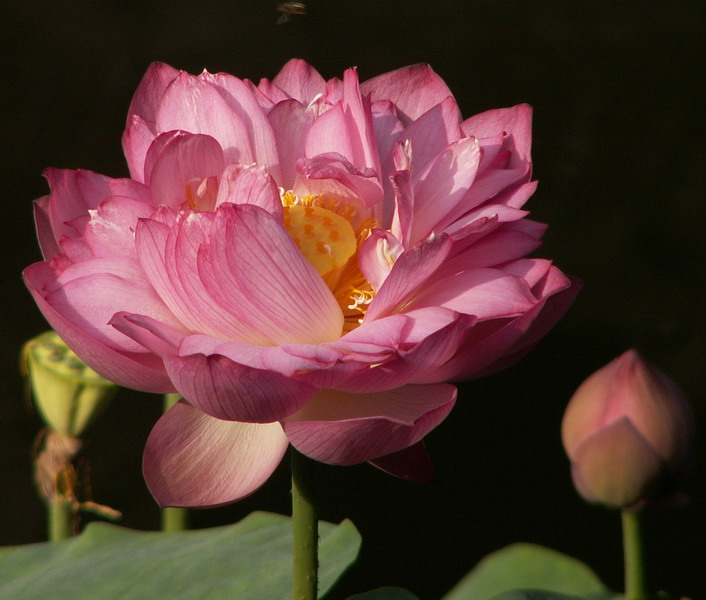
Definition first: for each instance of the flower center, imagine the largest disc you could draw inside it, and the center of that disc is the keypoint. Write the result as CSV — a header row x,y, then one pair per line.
x,y
325,239
322,230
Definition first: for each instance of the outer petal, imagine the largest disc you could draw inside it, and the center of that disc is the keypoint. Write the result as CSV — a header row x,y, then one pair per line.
x,y
90,293
142,115
231,391
192,459
616,466
413,89
73,193
140,371
291,360
343,428
242,100
300,81
148,96
516,122
432,132
110,232
42,222
485,293
193,105
497,344
421,364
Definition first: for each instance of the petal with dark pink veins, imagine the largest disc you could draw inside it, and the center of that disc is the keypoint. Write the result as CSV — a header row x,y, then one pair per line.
x,y
343,428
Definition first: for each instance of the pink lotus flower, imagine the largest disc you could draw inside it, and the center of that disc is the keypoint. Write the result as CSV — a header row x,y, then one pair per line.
x,y
305,261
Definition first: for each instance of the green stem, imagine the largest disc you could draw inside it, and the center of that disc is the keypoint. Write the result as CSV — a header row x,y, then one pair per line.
x,y
305,528
61,515
173,519
634,556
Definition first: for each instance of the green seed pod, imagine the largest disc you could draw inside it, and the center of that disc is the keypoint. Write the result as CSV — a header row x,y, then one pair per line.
x,y
68,394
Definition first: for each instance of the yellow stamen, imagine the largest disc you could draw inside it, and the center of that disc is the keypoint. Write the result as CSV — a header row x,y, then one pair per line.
x,y
321,228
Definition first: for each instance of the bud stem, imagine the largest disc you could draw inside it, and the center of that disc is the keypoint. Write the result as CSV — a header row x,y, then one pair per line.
x,y
173,519
305,528
633,555
61,514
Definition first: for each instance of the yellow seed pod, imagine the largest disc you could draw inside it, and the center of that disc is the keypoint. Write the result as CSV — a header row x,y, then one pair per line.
x,y
68,394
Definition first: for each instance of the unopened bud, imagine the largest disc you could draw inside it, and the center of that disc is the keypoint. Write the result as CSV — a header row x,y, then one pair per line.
x,y
68,394
628,432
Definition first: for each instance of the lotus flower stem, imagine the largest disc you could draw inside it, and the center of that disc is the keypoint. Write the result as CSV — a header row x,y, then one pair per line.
x,y
305,528
173,519
634,557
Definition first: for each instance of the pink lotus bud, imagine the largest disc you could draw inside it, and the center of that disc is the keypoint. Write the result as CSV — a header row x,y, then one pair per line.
x,y
628,431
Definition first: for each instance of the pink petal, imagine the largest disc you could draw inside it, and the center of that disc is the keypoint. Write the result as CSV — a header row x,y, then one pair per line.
x,y
516,122
148,96
375,340
516,198
421,364
548,313
329,134
484,293
183,158
490,184
193,105
90,293
228,390
169,257
291,123
250,184
275,291
300,81
495,249
377,255
110,232
412,269
495,345
242,101
332,175
291,360
154,335
432,132
139,371
137,138
141,127
359,123
73,193
194,460
413,89
45,234
442,187
386,128
343,428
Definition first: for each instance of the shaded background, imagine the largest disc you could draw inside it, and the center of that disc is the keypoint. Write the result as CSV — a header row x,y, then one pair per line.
x,y
618,93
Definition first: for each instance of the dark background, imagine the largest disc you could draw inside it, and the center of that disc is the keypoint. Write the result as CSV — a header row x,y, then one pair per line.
x,y
618,92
